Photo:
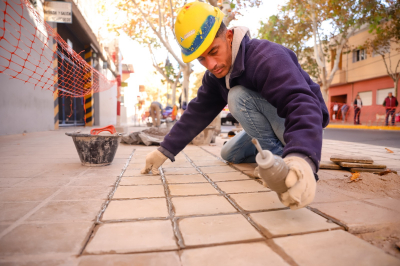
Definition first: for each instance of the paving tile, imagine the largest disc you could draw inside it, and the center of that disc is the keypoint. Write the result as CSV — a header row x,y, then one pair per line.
x,y
95,181
324,194
41,239
358,216
12,211
102,173
217,169
45,182
389,203
68,211
241,186
216,229
288,222
258,201
201,205
83,193
135,209
19,173
185,179
26,194
6,182
192,189
202,158
135,172
245,166
170,258
215,162
333,248
254,254
135,166
180,171
134,192
329,165
140,180
132,237
227,176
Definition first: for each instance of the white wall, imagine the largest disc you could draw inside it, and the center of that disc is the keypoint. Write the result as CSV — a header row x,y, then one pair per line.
x,y
24,108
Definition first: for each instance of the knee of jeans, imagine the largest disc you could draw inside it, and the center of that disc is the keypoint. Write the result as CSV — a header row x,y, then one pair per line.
x,y
234,97
226,154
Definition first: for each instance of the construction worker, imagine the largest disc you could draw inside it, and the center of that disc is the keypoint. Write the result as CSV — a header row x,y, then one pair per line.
x,y
266,90
155,113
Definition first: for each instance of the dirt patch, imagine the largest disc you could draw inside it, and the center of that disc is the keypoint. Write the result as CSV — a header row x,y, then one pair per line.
x,y
385,238
370,184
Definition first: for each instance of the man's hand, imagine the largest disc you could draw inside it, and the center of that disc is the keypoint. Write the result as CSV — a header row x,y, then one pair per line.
x,y
301,183
153,161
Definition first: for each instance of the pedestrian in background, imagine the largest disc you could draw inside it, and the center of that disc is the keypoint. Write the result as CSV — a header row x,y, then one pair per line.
x,y
335,110
357,110
155,112
390,103
344,110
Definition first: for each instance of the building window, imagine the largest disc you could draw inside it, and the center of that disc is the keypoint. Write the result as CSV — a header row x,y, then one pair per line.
x,y
382,94
359,55
366,98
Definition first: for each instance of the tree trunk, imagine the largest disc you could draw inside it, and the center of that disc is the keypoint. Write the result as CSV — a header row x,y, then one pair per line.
x,y
185,85
173,94
396,84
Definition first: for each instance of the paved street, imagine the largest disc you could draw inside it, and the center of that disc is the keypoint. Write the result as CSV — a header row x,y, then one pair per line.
x,y
199,211
389,139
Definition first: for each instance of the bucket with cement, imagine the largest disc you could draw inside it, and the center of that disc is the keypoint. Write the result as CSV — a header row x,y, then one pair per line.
x,y
96,150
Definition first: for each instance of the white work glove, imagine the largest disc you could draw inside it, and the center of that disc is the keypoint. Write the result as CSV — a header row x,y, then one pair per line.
x,y
301,183
153,161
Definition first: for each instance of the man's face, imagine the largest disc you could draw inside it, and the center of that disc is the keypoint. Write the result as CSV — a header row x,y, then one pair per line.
x,y
218,57
390,94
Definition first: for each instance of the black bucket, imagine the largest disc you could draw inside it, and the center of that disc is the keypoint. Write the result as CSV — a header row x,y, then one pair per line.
x,y
95,150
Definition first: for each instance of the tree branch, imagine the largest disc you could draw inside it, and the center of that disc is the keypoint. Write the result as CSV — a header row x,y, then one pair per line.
x,y
165,43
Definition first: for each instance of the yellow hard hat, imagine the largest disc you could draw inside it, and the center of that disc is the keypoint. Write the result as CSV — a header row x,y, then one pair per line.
x,y
195,28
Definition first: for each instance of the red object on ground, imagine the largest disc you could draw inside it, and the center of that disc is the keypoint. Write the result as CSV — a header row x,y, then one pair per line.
x,y
109,128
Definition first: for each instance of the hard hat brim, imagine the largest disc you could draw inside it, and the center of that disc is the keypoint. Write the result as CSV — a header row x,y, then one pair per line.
x,y
207,42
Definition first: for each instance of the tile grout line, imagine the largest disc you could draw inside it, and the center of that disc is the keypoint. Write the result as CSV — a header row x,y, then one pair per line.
x,y
105,205
274,247
175,226
102,210
230,165
40,205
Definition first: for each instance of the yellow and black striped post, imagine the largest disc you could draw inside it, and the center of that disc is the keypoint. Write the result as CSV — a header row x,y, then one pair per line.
x,y
55,77
88,81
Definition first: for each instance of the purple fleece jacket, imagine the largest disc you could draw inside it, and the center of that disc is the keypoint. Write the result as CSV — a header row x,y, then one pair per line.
x,y
274,72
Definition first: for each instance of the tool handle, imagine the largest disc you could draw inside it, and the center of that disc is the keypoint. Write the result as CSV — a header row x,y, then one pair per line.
x,y
109,128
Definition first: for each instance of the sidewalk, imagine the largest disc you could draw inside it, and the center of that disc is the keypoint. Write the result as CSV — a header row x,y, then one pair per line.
x,y
199,211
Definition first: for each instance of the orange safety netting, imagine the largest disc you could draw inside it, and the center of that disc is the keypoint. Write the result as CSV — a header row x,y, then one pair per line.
x,y
30,49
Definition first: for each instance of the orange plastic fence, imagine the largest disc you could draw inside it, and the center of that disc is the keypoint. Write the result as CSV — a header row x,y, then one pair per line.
x,y
28,47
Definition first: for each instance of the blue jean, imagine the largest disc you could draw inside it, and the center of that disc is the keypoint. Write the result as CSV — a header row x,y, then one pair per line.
x,y
259,120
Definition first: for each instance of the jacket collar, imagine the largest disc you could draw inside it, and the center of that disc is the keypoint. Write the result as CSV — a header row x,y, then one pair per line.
x,y
238,65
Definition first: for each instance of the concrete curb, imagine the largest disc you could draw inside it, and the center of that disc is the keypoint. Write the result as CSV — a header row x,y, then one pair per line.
x,y
365,127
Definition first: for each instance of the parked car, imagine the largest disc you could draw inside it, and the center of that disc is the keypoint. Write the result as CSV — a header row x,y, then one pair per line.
x,y
226,116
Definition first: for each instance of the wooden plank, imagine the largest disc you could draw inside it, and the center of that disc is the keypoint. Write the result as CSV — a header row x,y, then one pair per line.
x,y
337,158
362,165
353,170
329,165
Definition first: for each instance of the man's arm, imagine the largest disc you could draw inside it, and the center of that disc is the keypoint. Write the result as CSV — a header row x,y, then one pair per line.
x,y
199,114
285,87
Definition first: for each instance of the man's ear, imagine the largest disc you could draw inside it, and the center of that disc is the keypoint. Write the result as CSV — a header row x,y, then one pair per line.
x,y
229,36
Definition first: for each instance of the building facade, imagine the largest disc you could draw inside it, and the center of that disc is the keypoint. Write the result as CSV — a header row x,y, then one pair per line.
x,y
365,74
25,107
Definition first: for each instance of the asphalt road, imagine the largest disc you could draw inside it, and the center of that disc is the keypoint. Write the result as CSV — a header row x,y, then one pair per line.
x,y
373,137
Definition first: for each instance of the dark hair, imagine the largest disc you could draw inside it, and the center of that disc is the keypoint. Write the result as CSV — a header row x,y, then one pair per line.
x,y
222,29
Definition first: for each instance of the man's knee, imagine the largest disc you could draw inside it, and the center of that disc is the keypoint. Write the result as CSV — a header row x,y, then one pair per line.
x,y
226,153
235,96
